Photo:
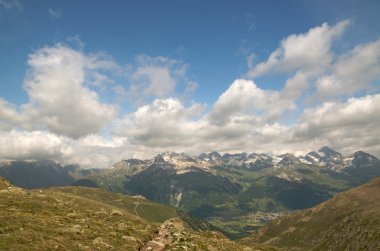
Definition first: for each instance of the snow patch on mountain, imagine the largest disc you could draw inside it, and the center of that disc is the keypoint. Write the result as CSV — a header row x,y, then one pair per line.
x,y
182,163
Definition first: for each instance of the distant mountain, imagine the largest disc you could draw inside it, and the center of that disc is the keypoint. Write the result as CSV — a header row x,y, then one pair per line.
x,y
325,158
37,174
185,189
349,221
226,190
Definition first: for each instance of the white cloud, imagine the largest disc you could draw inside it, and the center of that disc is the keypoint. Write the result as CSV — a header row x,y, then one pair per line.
x,y
312,64
165,121
296,85
54,14
166,124
309,51
244,97
33,145
11,4
66,113
97,151
347,126
160,82
89,151
66,118
155,77
354,71
9,115
191,87
58,98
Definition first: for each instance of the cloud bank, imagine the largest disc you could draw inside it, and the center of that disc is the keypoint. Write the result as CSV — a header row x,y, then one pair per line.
x,y
73,114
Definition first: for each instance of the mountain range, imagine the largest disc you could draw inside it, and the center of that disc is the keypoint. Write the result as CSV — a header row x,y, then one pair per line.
x,y
236,193
325,157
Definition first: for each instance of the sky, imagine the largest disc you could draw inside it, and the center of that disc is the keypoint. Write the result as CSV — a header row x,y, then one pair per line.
x,y
96,82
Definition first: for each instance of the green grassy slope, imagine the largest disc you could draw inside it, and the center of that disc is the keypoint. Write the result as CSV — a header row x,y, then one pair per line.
x,y
143,208
77,218
349,221
55,220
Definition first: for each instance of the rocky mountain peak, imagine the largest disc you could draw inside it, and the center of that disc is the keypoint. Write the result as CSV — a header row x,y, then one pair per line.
x,y
325,157
159,159
235,156
289,159
362,159
326,151
213,157
174,157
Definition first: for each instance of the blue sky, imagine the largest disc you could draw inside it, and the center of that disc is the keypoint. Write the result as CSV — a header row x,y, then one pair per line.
x,y
260,68
212,37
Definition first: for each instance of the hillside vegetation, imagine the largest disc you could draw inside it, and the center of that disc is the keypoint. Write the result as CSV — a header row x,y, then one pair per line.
x,y
349,221
77,218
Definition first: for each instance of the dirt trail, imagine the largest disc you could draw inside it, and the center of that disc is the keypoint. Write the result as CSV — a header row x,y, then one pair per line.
x,y
165,235
137,203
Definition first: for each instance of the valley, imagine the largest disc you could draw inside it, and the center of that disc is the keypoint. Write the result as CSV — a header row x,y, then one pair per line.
x,y
80,218
235,193
226,190
348,221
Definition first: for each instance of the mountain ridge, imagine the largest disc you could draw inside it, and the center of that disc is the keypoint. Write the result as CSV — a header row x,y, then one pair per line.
x,y
325,157
230,191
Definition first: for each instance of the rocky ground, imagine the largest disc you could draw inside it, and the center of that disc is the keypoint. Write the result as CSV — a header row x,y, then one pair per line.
x,y
172,235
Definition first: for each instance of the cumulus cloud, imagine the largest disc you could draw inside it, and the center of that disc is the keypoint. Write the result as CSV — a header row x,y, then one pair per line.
x,y
59,100
167,124
9,115
243,96
67,119
296,85
354,71
65,109
89,151
348,126
155,77
161,123
95,150
313,66
309,50
239,121
33,145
